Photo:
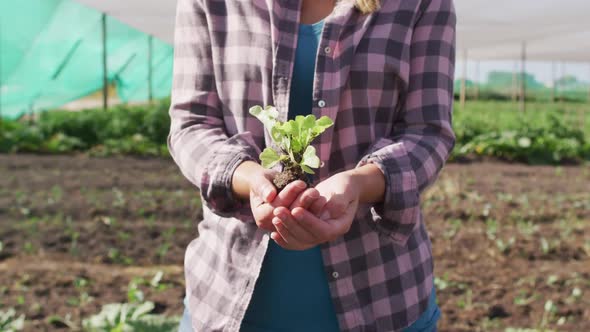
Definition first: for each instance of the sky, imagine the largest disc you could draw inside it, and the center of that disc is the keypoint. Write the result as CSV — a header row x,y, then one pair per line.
x,y
543,71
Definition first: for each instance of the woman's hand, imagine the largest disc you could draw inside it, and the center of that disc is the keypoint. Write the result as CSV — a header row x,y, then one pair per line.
x,y
315,220
255,182
263,209
319,219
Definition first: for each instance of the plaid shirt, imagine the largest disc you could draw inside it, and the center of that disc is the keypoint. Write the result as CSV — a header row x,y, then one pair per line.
x,y
387,80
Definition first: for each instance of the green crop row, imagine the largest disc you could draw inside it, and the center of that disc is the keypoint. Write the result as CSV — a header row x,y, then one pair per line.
x,y
546,133
137,130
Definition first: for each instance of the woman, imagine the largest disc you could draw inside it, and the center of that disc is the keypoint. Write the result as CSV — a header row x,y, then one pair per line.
x,y
352,253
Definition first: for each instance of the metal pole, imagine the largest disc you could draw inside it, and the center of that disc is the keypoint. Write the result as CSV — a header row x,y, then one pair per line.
x,y
554,79
463,96
477,81
561,92
514,82
523,80
105,79
150,68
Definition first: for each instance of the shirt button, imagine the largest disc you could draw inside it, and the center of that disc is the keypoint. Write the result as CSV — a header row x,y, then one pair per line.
x,y
322,103
328,49
335,274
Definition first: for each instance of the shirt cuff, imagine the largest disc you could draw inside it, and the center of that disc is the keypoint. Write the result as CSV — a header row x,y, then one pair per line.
x,y
399,212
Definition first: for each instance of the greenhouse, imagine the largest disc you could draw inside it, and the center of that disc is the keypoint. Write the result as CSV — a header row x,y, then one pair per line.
x,y
124,47
56,51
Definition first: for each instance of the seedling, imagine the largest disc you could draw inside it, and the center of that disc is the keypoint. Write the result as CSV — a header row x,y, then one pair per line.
x,y
10,322
293,138
548,314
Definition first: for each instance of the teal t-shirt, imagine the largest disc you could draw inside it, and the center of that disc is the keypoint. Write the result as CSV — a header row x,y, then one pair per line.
x,y
292,293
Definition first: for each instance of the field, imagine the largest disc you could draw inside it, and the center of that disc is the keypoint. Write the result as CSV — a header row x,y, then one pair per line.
x,y
511,242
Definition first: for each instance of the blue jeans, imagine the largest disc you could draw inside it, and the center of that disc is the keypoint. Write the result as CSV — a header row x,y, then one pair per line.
x,y
426,323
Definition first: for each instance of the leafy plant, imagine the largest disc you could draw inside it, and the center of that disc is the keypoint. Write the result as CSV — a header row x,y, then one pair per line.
x,y
548,314
134,293
293,139
61,322
9,322
124,317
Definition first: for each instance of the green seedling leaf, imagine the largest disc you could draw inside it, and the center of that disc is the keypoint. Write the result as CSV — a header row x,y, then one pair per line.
x,y
322,124
293,137
285,143
308,122
310,158
268,116
296,146
256,110
9,322
269,158
289,128
549,306
278,135
576,292
155,282
302,133
143,309
306,169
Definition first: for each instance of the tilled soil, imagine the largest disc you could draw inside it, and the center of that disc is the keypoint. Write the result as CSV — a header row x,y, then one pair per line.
x,y
509,240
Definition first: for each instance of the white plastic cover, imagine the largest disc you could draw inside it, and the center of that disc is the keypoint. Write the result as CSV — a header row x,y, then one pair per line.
x,y
154,17
554,30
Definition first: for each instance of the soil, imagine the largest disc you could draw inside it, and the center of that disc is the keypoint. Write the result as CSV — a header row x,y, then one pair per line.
x,y
75,231
288,175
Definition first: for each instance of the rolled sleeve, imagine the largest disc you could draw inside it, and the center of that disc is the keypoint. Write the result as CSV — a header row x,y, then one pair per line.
x,y
217,173
397,214
198,141
422,136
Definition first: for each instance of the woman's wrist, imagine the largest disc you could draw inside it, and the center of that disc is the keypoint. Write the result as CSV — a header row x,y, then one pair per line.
x,y
241,178
370,182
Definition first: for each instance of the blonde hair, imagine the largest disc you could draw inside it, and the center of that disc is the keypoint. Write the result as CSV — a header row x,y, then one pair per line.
x,y
367,6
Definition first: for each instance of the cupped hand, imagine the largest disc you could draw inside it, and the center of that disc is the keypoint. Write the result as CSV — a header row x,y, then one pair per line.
x,y
251,181
264,197
319,218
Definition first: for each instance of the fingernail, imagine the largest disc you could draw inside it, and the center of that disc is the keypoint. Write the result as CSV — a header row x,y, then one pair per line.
x,y
298,216
325,215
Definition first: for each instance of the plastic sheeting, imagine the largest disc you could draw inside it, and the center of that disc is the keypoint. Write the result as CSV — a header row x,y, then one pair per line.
x,y
154,17
50,49
554,30
51,54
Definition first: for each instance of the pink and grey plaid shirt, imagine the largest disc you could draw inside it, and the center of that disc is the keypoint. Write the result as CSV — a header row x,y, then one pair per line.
x,y
387,81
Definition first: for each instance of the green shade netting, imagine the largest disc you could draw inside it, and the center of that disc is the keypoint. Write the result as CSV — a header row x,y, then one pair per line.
x,y
51,54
